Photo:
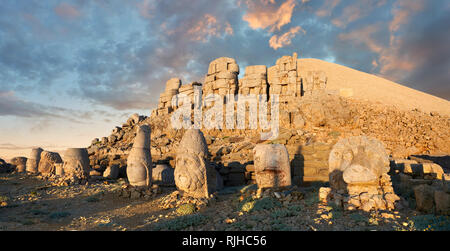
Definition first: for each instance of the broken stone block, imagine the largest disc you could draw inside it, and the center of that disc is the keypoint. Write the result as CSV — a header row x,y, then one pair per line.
x,y
272,168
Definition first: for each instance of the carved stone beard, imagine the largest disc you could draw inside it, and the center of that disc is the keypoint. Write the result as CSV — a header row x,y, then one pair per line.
x,y
191,175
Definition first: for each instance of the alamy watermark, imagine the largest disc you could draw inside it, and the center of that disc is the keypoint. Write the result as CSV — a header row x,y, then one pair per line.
x,y
235,112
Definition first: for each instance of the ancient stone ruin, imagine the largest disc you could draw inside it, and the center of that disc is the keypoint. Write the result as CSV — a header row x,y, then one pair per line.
x,y
359,177
272,168
139,163
76,163
193,174
33,160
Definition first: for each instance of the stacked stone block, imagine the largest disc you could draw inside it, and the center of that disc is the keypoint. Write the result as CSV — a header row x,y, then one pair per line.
x,y
283,78
165,99
254,80
222,77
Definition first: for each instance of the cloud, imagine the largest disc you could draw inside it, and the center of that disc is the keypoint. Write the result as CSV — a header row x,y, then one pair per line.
x,y
327,8
402,12
266,14
66,10
277,42
208,27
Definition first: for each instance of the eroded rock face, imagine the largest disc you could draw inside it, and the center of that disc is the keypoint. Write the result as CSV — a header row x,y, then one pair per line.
x,y
358,171
163,175
272,168
48,161
20,163
33,160
139,162
193,174
76,163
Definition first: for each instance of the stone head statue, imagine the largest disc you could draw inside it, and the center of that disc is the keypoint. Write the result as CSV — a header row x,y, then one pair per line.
x,y
272,167
139,162
193,174
33,161
357,160
76,163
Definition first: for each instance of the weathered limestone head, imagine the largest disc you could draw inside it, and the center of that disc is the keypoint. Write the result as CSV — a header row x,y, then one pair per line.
x,y
193,142
357,160
20,163
76,163
272,167
142,139
33,160
47,162
193,174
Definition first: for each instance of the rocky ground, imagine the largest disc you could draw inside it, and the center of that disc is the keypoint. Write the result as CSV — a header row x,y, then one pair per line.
x,y
32,203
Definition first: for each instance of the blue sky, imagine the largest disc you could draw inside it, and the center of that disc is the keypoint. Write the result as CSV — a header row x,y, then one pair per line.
x,y
72,70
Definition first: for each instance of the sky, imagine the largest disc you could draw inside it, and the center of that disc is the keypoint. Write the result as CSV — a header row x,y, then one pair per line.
x,y
72,70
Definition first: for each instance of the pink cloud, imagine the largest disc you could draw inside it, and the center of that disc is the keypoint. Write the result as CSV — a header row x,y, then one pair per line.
x,y
277,42
264,14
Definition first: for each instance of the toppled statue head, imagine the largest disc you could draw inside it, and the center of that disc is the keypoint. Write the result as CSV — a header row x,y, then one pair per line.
x,y
357,160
